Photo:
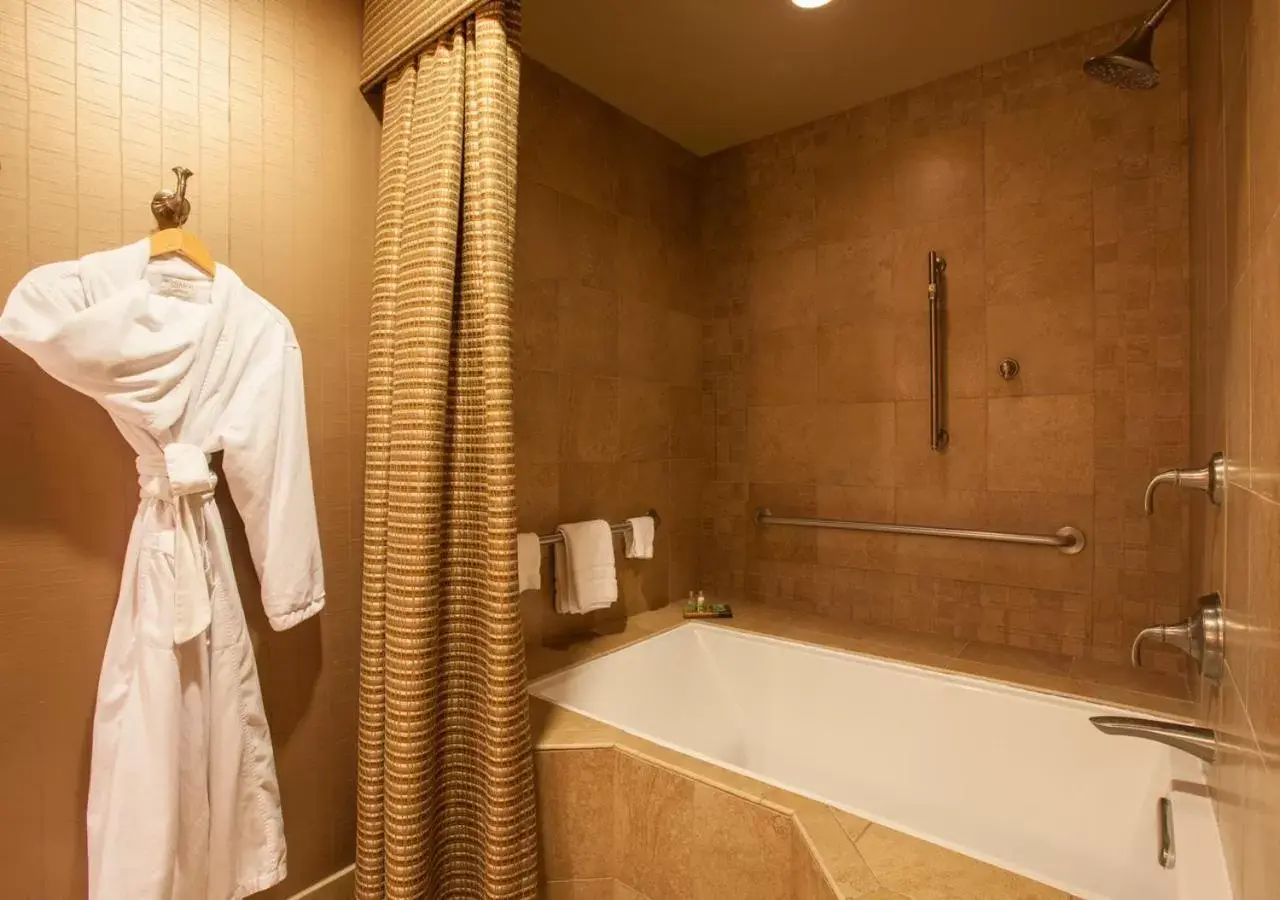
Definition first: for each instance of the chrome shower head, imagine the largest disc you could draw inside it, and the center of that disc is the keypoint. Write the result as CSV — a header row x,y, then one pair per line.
x,y
1129,66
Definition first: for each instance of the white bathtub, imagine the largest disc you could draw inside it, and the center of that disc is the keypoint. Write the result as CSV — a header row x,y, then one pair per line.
x,y
1014,777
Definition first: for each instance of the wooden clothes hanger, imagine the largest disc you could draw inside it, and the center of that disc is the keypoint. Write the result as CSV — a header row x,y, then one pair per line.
x,y
171,209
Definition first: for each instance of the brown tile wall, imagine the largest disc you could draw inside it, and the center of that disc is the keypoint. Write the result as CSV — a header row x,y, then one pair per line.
x,y
97,101
609,410
1235,253
1061,208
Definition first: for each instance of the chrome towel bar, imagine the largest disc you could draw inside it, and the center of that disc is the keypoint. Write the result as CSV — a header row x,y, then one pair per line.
x,y
617,528
1067,540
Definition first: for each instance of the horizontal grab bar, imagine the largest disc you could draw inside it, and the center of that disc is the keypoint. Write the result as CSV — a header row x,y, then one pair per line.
x,y
617,528
1067,540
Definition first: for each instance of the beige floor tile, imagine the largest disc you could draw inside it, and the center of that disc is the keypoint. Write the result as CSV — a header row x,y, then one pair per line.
x,y
923,871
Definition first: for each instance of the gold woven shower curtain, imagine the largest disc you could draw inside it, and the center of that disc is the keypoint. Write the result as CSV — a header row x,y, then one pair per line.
x,y
445,782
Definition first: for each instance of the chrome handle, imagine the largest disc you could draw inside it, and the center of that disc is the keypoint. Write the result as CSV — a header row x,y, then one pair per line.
x,y
938,434
1201,637
1212,479
1168,851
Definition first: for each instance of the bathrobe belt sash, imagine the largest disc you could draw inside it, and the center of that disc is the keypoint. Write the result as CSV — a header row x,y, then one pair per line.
x,y
181,478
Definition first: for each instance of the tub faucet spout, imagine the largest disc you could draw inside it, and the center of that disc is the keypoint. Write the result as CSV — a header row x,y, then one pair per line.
x,y
1201,743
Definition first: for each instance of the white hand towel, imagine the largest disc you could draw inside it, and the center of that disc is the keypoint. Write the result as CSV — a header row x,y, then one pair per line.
x,y
585,574
529,558
639,538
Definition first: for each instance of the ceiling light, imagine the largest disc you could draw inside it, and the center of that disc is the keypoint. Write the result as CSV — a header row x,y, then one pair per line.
x,y
810,4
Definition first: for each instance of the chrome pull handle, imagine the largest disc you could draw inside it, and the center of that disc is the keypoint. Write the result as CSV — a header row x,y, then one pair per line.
x,y
1212,479
1201,637
938,433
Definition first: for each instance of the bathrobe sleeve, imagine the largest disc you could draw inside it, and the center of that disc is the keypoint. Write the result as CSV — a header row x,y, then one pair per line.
x,y
37,310
46,304
267,462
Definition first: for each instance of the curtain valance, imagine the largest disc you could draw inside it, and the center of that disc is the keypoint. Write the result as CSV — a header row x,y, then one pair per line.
x,y
396,30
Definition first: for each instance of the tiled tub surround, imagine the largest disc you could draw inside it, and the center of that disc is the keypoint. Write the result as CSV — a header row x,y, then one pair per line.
x,y
1235,253
1060,206
661,825
1094,836
625,819
618,823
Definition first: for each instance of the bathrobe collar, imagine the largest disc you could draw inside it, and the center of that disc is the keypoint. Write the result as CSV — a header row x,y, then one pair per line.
x,y
169,356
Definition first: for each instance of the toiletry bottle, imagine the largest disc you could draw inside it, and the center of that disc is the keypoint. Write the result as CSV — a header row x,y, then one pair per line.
x,y
701,603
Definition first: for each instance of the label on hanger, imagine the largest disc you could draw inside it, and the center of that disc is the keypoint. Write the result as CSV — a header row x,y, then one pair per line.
x,y
177,288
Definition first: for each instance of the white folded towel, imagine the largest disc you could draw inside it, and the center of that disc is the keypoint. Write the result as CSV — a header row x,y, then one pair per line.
x,y
529,561
585,574
639,538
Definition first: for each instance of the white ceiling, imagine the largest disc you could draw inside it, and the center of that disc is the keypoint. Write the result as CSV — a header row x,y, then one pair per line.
x,y
713,73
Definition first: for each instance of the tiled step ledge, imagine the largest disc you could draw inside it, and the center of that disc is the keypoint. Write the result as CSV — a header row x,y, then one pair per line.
x,y
834,856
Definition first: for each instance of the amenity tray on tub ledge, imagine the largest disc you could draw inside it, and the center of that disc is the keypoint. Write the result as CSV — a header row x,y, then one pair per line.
x,y
1014,777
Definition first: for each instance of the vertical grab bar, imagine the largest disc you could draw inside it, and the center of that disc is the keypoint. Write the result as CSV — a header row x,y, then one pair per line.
x,y
938,436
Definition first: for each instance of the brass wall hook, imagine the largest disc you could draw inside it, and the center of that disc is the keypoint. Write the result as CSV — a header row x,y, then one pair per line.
x,y
172,208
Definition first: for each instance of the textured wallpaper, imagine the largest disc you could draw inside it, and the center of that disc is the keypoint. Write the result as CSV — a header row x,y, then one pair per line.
x,y
97,101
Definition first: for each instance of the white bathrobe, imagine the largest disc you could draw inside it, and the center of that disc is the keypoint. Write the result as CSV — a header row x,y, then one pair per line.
x,y
183,798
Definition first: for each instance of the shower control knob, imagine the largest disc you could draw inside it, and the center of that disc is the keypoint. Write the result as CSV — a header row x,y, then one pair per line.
x,y
1009,369
1201,637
